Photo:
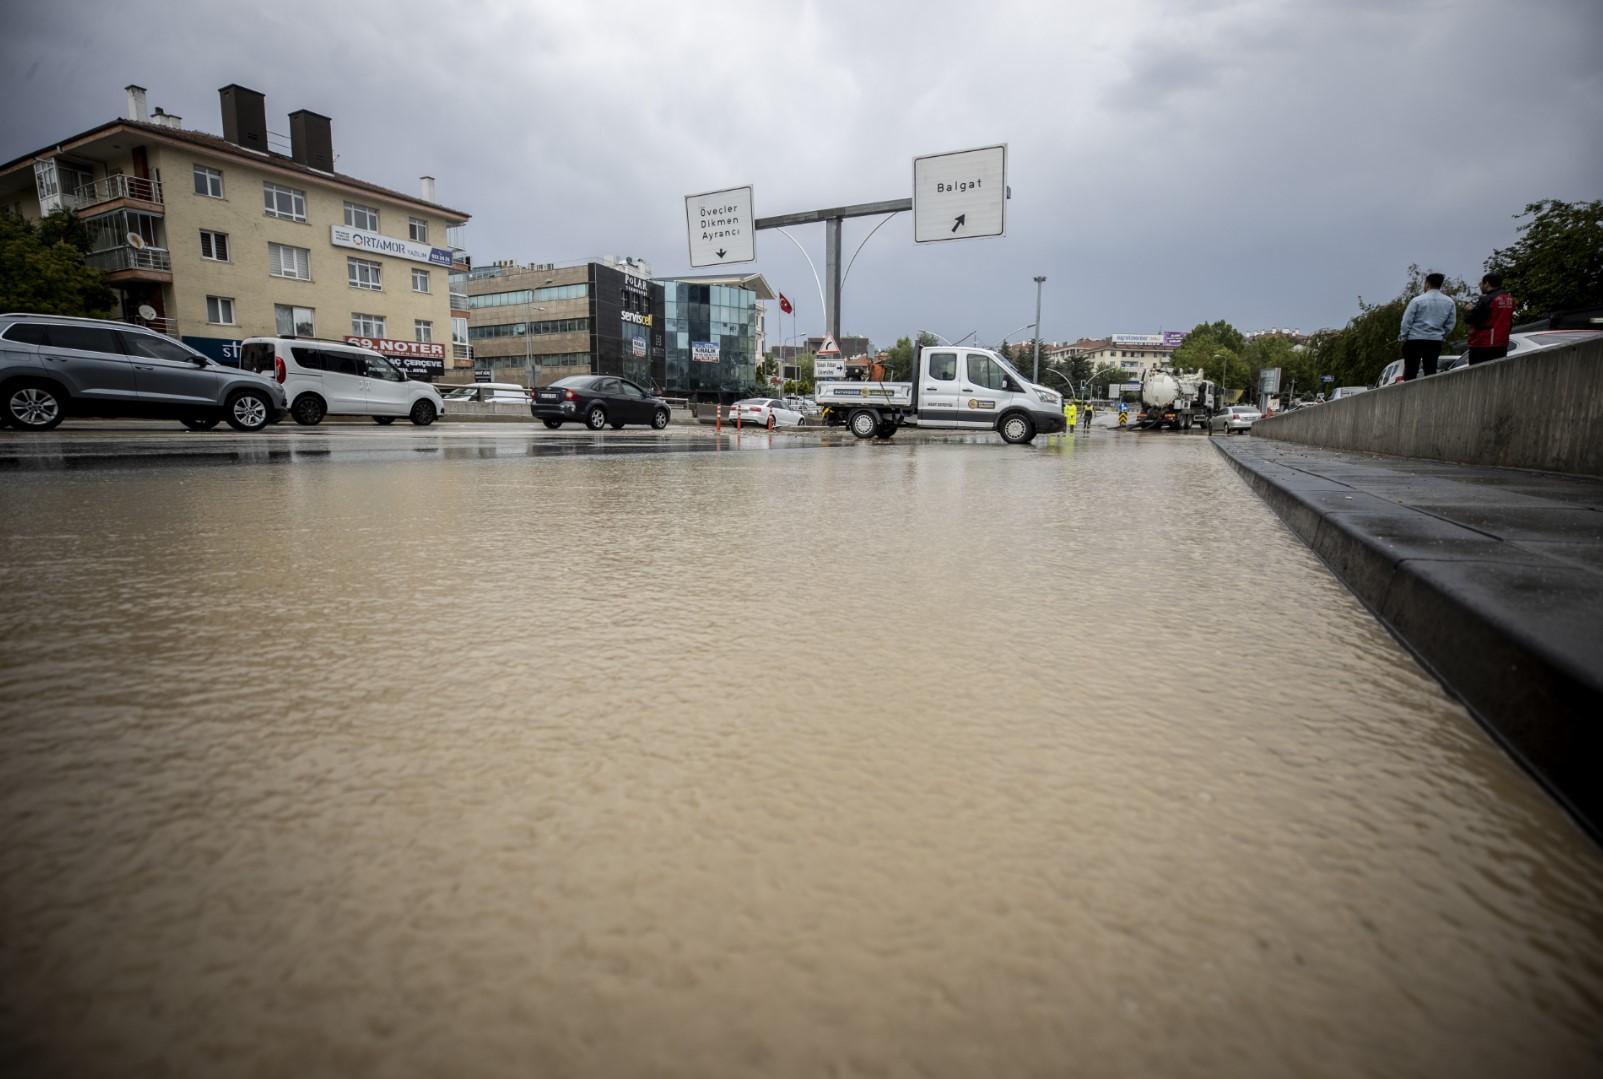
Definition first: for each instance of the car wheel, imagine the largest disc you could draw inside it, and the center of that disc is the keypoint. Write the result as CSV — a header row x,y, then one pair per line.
x,y
34,406
553,424
308,410
863,423
596,418
886,429
247,410
659,419
201,424
423,413
383,421
771,422
1016,429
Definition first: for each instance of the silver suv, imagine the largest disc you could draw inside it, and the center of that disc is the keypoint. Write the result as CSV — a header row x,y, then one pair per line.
x,y
52,366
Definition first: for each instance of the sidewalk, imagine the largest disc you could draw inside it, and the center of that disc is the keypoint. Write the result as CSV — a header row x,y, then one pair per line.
x,y
1493,577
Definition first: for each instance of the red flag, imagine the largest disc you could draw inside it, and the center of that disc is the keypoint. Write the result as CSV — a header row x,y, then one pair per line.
x,y
784,304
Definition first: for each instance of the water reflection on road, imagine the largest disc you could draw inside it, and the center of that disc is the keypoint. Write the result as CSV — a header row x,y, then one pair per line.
x,y
426,754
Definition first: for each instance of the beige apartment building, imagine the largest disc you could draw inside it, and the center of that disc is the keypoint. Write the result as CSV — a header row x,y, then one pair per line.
x,y
215,239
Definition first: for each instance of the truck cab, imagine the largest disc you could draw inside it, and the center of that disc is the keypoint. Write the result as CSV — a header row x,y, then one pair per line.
x,y
953,387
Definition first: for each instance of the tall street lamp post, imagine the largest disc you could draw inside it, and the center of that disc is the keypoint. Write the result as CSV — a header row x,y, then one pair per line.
x,y
1039,281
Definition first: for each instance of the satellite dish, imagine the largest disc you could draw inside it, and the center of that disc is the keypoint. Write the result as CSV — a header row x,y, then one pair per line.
x,y
146,312
136,241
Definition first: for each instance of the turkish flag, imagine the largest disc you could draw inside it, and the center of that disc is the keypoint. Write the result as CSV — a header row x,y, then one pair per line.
x,y
784,304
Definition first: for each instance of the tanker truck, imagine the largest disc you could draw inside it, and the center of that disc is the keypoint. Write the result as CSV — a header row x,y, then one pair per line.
x,y
1175,399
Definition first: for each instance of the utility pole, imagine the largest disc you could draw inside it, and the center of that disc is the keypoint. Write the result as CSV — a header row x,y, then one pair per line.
x,y
832,218
1039,281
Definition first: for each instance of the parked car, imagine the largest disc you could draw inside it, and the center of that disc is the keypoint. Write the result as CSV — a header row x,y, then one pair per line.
x,y
597,401
1392,372
805,405
764,412
1345,391
490,393
330,378
1233,418
52,367
1523,344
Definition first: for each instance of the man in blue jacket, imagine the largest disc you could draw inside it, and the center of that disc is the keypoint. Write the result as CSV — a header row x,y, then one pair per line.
x,y
1427,320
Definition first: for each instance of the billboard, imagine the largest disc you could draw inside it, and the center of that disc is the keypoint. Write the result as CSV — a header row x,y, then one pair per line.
x,y
419,359
704,351
1269,380
1173,338
1137,339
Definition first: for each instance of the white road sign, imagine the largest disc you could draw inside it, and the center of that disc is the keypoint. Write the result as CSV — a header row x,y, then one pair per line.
x,y
960,195
722,227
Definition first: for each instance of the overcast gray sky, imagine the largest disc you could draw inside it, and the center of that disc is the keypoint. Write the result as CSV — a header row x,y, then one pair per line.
x,y
1262,162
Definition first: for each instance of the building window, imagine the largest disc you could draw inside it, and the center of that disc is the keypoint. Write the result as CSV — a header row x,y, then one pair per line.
x,y
360,273
367,325
286,261
422,330
361,217
293,321
418,229
214,245
420,280
522,296
284,202
208,182
220,310
519,329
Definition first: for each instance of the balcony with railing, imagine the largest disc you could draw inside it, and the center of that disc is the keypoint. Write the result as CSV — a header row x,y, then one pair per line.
x,y
168,326
461,352
132,263
459,301
136,189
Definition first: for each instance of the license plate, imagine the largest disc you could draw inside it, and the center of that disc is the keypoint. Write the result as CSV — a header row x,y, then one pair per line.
x,y
548,397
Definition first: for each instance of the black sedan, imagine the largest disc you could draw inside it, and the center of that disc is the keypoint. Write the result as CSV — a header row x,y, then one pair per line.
x,y
597,401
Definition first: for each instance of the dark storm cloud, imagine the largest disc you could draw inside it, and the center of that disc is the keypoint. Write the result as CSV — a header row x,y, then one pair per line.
x,y
1263,162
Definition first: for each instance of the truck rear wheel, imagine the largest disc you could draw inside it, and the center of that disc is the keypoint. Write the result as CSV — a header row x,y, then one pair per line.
x,y
864,423
887,428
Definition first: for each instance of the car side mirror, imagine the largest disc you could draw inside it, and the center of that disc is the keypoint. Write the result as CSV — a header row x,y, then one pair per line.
x,y
200,361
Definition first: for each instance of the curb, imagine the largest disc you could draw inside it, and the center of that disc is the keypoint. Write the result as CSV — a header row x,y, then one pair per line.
x,y
1508,637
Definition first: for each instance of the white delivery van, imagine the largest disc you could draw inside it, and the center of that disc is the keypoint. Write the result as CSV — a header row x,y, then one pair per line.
x,y
331,378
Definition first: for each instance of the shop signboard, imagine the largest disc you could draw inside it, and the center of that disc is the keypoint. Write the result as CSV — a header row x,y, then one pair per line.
x,y
375,243
224,350
637,347
419,359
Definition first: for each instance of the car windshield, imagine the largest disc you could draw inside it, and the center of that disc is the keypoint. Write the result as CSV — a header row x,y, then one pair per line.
x,y
575,381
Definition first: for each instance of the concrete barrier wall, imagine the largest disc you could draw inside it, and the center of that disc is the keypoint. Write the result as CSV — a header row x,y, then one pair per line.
x,y
1543,411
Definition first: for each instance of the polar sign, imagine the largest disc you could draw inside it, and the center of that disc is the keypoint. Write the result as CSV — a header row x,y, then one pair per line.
x,y
960,195
722,227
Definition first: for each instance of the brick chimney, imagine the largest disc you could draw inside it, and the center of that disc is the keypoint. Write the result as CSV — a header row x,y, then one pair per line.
x,y
311,141
244,117
136,102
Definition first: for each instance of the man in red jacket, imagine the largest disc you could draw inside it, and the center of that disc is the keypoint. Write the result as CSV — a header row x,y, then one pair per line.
x,y
1490,320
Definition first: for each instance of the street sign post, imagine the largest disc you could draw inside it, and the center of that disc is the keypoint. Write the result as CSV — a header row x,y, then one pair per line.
x,y
721,226
960,195
1269,380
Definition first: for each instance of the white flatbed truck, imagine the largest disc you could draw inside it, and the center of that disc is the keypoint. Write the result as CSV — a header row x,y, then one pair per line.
x,y
965,389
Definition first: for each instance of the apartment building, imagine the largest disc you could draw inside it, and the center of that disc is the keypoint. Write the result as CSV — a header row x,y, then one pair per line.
x,y
213,239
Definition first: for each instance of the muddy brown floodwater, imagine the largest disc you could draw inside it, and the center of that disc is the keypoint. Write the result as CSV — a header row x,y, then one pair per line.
x,y
911,759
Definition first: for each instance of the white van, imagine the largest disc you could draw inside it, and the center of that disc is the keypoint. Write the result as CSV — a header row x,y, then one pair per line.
x,y
331,378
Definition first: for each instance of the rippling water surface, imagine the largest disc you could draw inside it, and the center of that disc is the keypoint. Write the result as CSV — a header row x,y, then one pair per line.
x,y
933,759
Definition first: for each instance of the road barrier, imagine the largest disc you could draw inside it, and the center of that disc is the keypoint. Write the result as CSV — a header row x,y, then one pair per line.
x,y
1541,411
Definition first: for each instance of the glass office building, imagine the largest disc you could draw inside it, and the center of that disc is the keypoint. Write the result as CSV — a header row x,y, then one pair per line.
x,y
710,345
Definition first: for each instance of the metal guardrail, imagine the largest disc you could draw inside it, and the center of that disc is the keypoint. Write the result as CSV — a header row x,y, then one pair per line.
x,y
115,187
129,258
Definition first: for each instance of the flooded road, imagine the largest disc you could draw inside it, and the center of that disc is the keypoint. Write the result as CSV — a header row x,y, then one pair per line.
x,y
922,758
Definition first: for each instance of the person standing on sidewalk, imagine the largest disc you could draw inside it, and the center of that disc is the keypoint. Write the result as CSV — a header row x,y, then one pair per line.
x,y
1427,320
1489,321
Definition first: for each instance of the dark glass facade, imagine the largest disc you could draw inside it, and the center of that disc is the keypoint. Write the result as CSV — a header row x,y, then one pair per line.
x,y
621,324
709,339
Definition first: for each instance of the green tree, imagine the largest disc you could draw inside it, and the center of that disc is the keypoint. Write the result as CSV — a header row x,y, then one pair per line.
x,y
1557,262
42,268
1103,376
901,360
1356,353
1216,348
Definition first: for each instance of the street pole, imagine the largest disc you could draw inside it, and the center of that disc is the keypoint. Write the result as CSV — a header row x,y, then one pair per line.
x,y
1039,281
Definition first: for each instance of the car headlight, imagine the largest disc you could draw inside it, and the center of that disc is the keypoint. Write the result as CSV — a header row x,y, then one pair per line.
x,y
1048,396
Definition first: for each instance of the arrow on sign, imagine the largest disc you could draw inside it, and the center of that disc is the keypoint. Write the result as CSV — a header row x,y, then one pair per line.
x,y
960,219
720,252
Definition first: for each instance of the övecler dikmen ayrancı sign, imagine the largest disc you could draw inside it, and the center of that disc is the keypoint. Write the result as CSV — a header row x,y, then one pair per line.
x,y
378,244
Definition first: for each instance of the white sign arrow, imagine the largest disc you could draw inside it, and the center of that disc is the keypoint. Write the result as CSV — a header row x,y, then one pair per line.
x,y
722,227
960,195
